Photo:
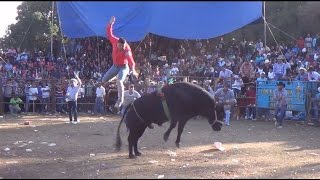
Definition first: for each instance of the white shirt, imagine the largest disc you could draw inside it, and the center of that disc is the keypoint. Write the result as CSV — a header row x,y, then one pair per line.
x,y
313,76
44,93
72,93
237,84
32,91
129,98
225,74
100,91
271,75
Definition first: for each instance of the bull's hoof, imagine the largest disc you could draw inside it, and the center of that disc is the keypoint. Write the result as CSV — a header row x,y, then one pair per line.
x,y
178,145
131,156
137,153
165,137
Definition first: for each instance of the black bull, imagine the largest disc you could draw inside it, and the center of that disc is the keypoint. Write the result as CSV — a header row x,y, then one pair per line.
x,y
185,101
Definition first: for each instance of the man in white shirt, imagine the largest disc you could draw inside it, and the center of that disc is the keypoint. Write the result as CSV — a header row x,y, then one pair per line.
x,y
72,96
45,98
313,75
33,93
100,94
129,96
225,74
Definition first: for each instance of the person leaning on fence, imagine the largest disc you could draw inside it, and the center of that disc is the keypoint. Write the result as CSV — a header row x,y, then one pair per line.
x,y
280,96
72,96
14,105
316,108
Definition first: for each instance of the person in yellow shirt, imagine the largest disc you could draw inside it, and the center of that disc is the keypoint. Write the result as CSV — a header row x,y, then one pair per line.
x,y
14,104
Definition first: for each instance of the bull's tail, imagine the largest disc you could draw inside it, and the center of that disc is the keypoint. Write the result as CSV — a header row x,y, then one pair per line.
x,y
118,138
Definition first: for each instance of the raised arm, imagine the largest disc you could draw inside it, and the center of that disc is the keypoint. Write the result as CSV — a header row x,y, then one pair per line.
x,y
111,37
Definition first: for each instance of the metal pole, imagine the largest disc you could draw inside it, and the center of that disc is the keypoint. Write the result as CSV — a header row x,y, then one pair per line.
x,y
52,13
265,24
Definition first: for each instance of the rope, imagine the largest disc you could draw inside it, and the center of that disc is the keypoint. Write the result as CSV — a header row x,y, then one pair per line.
x,y
281,31
26,32
273,36
134,108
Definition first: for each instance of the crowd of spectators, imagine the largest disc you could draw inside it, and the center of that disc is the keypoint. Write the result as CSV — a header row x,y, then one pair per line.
x,y
161,59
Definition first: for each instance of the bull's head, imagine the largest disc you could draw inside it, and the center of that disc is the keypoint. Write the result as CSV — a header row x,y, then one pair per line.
x,y
216,119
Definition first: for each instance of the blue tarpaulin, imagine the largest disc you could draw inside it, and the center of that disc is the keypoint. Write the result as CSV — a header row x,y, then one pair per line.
x,y
134,20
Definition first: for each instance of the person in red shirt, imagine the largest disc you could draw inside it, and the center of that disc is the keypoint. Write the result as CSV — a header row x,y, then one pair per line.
x,y
122,62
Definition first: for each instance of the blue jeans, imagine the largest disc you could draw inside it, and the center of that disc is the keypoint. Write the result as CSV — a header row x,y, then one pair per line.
x,y
44,104
59,103
315,108
280,113
72,110
120,71
99,105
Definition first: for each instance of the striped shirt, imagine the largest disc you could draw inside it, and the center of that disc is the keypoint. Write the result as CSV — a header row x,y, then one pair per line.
x,y
280,97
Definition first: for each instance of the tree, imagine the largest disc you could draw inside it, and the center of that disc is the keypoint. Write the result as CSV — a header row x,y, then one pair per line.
x,y
33,27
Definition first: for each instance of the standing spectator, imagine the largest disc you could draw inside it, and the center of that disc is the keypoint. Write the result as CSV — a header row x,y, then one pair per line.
x,y
280,96
9,88
45,98
246,71
59,99
100,94
72,96
316,108
33,96
308,43
250,95
122,56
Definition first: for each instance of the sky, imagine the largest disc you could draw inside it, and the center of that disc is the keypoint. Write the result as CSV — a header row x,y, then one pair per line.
x,y
8,13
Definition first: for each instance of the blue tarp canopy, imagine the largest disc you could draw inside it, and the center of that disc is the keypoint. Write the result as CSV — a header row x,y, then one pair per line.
x,y
134,20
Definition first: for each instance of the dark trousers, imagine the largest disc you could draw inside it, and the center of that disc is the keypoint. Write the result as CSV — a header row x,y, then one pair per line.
x,y
72,110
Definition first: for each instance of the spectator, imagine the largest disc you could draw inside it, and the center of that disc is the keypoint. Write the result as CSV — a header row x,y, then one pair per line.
x,y
280,97
45,98
14,104
72,96
251,103
100,95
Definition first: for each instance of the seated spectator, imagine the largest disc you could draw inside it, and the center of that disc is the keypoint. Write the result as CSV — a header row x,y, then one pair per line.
x,y
313,75
303,75
14,104
262,79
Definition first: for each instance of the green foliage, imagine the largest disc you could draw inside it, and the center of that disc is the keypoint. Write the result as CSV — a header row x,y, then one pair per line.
x,y
33,27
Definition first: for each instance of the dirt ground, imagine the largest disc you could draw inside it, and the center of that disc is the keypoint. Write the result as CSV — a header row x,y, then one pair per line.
x,y
253,149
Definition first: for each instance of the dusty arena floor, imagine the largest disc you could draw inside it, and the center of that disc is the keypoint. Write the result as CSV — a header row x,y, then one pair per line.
x,y
49,148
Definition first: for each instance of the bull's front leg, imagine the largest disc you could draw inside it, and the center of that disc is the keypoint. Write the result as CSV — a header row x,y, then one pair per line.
x,y
173,124
181,125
